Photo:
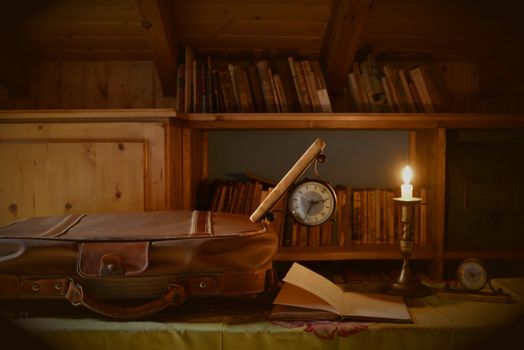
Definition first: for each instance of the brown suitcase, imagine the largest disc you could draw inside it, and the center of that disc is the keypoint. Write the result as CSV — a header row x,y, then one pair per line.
x,y
163,257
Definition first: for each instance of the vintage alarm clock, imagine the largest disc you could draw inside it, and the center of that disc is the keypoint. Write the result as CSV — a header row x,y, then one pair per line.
x,y
311,202
472,274
473,279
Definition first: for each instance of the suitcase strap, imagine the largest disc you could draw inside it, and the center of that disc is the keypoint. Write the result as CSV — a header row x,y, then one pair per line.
x,y
176,295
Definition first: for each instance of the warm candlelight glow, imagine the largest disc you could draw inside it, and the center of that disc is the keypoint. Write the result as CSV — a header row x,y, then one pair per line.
x,y
406,190
407,174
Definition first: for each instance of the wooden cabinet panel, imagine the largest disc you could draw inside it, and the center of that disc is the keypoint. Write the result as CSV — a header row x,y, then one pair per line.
x,y
62,177
54,168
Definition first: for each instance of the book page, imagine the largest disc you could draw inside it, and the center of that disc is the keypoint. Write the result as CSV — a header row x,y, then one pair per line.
x,y
374,306
292,295
316,284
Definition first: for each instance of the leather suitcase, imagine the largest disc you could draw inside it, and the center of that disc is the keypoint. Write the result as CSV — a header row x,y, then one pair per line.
x,y
165,256
162,257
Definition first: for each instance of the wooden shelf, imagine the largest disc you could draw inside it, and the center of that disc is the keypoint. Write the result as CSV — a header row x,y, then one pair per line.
x,y
390,121
485,254
360,252
86,115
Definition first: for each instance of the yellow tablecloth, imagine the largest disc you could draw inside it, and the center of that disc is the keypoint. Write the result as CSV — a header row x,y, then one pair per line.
x,y
438,324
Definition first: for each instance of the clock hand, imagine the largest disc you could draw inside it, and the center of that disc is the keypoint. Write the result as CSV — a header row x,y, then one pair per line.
x,y
309,208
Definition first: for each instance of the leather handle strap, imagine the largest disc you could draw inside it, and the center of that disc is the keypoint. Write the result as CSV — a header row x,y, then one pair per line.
x,y
176,295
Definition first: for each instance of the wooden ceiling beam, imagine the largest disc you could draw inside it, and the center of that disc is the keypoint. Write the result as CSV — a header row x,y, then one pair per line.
x,y
158,21
342,40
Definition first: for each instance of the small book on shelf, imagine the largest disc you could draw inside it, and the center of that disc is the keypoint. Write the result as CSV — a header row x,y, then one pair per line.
x,y
306,295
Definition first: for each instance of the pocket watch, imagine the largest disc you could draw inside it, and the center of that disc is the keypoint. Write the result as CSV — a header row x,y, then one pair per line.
x,y
312,202
472,274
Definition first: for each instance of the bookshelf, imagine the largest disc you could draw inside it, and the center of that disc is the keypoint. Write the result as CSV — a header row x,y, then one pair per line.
x,y
331,31
428,137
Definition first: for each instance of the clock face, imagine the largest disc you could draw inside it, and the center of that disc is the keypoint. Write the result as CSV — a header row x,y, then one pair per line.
x,y
312,202
472,274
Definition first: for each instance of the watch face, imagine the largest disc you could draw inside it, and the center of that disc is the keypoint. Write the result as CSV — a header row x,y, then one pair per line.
x,y
312,202
472,274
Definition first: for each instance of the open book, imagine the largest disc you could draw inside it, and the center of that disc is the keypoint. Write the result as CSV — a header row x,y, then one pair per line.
x,y
306,295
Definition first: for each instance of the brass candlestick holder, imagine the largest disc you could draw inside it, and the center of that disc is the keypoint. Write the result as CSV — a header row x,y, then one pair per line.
x,y
407,283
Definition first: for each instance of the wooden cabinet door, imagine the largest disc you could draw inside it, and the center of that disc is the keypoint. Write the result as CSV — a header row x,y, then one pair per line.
x,y
57,169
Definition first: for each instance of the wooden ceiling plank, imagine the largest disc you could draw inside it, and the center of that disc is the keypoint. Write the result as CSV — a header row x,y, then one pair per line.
x,y
157,19
14,75
225,11
341,40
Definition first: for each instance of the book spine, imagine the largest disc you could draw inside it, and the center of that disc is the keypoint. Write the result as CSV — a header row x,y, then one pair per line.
x,y
311,85
393,90
256,89
244,92
296,83
303,86
278,106
227,91
232,69
422,89
279,88
195,104
410,102
188,97
357,217
180,87
267,89
323,96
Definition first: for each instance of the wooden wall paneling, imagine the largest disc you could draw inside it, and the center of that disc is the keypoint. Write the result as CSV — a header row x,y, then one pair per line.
x,y
118,89
9,101
462,83
161,101
49,85
141,84
221,25
5,99
91,84
254,10
72,89
95,94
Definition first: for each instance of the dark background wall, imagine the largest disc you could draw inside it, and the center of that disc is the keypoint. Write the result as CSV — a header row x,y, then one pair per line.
x,y
348,154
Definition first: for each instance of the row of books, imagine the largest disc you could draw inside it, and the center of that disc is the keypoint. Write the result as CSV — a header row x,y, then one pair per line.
x,y
363,216
238,197
279,86
371,216
392,87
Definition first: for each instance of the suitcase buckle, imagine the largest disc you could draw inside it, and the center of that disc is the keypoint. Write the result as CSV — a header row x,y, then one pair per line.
x,y
111,265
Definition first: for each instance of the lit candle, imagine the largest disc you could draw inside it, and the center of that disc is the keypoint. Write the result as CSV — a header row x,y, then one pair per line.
x,y
406,190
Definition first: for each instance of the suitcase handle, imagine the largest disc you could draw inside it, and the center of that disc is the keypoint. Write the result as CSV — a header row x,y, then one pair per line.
x,y
176,295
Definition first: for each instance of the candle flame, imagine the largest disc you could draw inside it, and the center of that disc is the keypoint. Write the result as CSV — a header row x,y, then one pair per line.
x,y
407,174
